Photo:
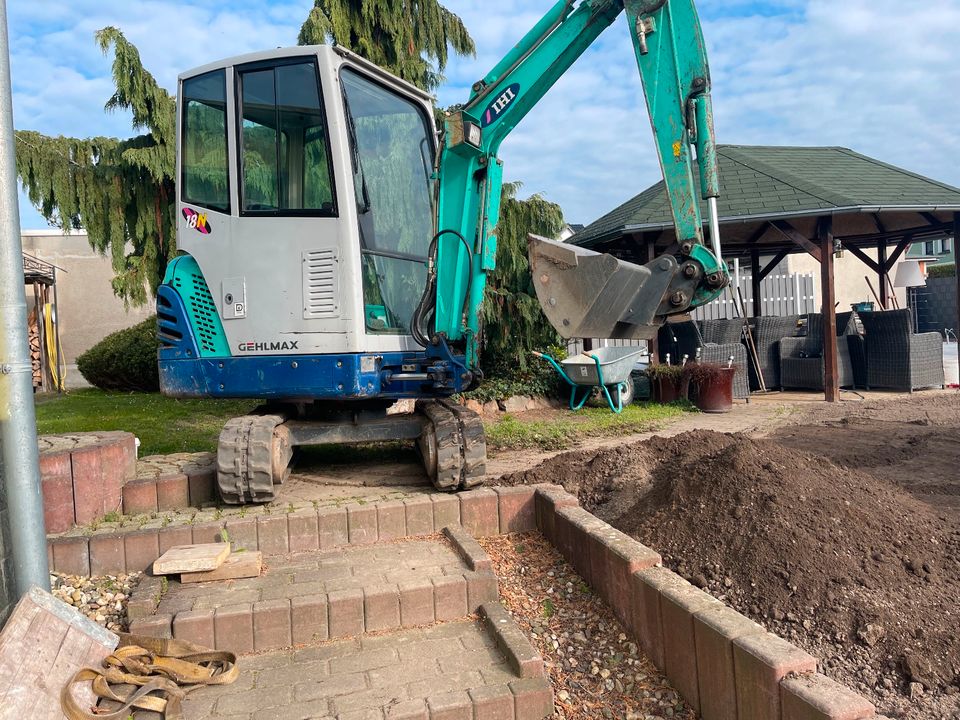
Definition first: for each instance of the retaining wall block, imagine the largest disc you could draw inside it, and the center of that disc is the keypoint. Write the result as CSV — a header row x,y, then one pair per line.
x,y
391,520
57,488
140,497
381,608
196,626
308,619
271,625
760,662
815,697
233,628
446,510
419,515
614,557
71,555
173,536
332,527
273,536
646,622
517,509
203,488
242,533
140,549
304,530
362,524
679,603
715,628
173,492
480,512
548,499
106,555
159,626
88,487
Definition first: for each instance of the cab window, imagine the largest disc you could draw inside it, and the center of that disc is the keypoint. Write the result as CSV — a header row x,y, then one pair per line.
x,y
204,167
284,148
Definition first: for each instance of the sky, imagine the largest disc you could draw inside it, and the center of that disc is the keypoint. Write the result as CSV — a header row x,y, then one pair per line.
x,y
879,76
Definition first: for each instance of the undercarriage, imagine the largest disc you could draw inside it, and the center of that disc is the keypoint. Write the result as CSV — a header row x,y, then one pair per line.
x,y
255,452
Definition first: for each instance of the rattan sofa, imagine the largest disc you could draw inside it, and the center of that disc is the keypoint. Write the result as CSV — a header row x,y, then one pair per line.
x,y
802,361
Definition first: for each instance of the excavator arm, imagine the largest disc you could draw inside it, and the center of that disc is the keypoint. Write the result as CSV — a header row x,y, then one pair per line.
x,y
584,294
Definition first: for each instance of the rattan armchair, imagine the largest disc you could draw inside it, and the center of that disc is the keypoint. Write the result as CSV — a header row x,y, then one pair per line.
x,y
801,358
896,357
767,333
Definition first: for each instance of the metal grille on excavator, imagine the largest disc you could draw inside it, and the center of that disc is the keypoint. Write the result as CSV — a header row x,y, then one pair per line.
x,y
185,276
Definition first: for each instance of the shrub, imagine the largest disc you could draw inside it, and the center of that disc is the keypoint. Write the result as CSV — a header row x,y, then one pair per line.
x,y
938,271
125,360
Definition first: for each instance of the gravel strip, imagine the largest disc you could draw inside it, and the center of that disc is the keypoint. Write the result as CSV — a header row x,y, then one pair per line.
x,y
595,667
103,599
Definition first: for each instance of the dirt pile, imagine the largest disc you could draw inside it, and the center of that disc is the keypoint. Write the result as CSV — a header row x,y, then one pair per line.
x,y
843,563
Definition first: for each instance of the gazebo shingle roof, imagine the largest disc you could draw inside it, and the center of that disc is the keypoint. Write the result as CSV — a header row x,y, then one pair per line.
x,y
759,182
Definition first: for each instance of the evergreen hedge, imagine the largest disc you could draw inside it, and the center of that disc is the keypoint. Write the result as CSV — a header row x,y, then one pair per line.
x,y
125,360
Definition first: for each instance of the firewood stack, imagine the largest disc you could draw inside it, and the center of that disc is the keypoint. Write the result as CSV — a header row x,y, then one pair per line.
x,y
35,351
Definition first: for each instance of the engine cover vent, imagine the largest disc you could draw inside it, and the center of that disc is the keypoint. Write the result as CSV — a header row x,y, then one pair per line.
x,y
321,284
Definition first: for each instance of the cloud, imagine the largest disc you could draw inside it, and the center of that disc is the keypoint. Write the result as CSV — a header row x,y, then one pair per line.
x,y
875,75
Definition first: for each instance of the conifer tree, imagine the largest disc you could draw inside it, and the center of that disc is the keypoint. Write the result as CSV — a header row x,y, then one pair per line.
x,y
514,324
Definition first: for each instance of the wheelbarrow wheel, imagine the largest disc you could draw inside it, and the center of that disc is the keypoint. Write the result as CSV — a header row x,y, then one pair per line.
x,y
599,399
627,392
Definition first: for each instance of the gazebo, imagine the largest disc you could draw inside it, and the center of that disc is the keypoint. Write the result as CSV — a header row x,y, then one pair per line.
x,y
775,201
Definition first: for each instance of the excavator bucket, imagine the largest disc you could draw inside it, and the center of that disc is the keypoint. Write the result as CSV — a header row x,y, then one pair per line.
x,y
587,294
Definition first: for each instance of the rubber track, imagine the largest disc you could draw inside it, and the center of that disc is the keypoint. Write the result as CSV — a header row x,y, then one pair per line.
x,y
449,444
474,450
245,461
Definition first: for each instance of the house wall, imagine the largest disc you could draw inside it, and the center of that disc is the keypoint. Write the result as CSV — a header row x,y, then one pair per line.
x,y
88,310
849,275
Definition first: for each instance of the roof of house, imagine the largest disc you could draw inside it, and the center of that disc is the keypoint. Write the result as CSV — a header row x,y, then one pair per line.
x,y
758,183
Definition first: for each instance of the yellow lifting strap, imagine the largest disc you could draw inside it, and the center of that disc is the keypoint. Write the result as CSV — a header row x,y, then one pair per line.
x,y
162,670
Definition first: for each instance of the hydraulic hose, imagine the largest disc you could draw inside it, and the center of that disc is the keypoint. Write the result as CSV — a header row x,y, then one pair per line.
x,y
428,301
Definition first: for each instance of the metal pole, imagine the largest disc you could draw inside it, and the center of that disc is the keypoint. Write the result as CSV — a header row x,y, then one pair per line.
x,y
19,456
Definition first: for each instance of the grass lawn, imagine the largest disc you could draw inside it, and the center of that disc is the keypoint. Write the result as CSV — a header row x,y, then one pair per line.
x,y
164,425
557,433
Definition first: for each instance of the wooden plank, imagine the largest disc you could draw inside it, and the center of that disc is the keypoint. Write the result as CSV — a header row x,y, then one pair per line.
x,y
756,280
773,263
238,565
882,272
191,558
43,644
831,386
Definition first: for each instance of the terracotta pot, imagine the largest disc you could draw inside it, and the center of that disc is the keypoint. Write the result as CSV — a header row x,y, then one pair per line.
x,y
666,390
716,395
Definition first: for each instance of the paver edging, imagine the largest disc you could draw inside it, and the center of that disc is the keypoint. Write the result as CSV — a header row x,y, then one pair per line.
x,y
522,657
764,668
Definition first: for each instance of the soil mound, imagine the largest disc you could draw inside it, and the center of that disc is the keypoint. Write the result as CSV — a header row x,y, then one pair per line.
x,y
845,564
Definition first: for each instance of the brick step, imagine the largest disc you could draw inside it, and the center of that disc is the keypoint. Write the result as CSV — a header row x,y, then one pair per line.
x,y
171,482
290,527
459,669
309,597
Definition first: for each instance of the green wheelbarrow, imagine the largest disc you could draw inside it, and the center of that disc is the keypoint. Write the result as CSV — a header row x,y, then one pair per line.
x,y
605,368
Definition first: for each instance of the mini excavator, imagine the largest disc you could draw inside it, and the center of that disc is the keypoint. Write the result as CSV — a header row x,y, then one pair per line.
x,y
334,245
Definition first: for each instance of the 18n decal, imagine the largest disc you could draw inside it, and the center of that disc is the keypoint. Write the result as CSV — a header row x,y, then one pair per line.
x,y
198,221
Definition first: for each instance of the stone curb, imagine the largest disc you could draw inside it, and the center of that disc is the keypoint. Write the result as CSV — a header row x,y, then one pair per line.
x,y
471,552
482,512
524,660
725,666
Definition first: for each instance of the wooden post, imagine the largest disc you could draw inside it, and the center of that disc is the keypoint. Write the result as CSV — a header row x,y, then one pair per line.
x,y
755,281
882,272
956,265
831,387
